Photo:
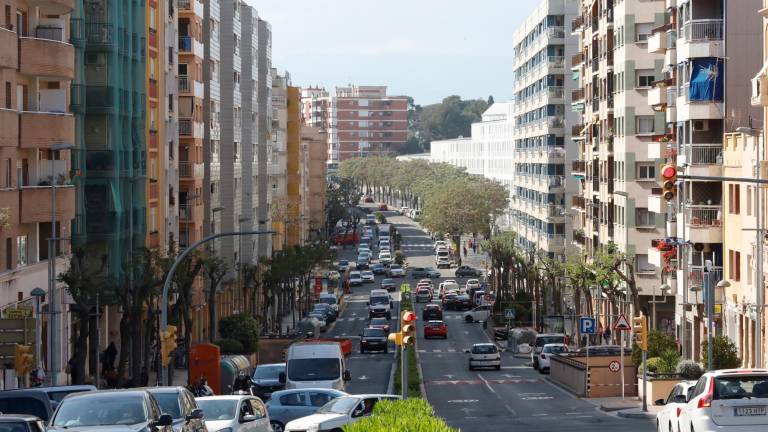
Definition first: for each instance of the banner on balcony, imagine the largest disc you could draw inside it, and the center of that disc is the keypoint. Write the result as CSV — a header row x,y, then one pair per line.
x,y
706,80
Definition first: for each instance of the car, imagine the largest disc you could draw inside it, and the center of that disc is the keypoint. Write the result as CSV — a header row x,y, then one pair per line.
x,y
329,299
373,338
388,284
368,199
28,398
432,311
435,328
403,210
424,272
327,311
114,410
484,355
364,254
363,249
667,418
385,258
465,271
727,400
462,302
547,352
395,270
355,278
544,339
343,266
180,404
440,244
442,261
21,423
379,269
321,318
235,413
383,207
386,249
437,293
449,300
472,284
478,314
380,322
362,263
339,412
370,219
334,275
379,304
266,379
415,215
384,243
427,285
423,295
367,276
287,405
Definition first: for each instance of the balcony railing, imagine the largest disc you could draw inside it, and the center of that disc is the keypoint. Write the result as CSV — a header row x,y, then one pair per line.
x,y
579,166
555,92
703,30
185,43
696,275
577,95
577,59
185,212
185,127
671,96
705,154
186,169
184,4
51,33
98,33
556,32
577,23
183,84
557,62
578,202
594,22
705,215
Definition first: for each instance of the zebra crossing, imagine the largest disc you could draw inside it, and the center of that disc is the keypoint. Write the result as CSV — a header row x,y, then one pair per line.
x,y
365,318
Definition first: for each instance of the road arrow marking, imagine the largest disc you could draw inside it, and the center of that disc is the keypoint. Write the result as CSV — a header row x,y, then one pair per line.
x,y
449,376
363,377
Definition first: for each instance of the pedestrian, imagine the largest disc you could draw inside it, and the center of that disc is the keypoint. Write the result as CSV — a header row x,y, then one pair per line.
x,y
71,369
474,247
144,376
465,251
110,355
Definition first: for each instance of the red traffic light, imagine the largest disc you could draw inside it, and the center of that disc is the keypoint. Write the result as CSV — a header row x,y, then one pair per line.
x,y
668,172
409,317
668,179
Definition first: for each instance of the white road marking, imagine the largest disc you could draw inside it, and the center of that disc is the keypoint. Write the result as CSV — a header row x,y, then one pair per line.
x,y
451,350
339,319
511,411
510,376
486,383
515,367
362,377
538,397
450,377
539,414
463,401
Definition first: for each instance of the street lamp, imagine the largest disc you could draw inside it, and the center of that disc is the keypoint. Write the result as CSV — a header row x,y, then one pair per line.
x,y
665,289
38,293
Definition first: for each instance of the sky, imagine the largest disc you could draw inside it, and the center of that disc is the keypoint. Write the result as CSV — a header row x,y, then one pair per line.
x,y
428,49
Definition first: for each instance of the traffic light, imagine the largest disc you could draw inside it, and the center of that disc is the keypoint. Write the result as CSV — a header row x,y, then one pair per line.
x,y
640,329
167,344
668,182
24,359
408,328
396,337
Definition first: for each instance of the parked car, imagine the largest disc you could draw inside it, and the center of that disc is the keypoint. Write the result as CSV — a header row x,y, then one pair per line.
x,y
440,244
727,400
368,199
462,302
338,412
343,266
21,423
266,379
424,272
330,299
379,268
432,311
484,355
395,270
373,338
54,394
330,313
113,410
367,276
423,295
465,271
544,339
287,405
667,418
235,413
547,352
380,322
181,405
478,314
30,402
383,207
435,328
355,278
388,284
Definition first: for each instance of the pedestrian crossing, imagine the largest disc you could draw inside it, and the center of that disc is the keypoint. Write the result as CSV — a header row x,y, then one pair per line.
x,y
365,318
438,351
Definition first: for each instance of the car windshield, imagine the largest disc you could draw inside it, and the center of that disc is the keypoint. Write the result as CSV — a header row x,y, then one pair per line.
x,y
314,369
16,426
436,323
100,411
554,349
343,262
543,340
387,281
268,372
169,403
379,321
328,300
373,332
354,275
218,409
340,405
739,387
395,267
379,300
484,349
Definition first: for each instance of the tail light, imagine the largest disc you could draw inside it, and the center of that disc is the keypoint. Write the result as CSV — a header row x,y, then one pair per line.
x,y
543,356
679,410
706,400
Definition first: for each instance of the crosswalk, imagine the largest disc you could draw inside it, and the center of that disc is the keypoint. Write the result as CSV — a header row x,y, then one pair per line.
x,y
365,318
438,351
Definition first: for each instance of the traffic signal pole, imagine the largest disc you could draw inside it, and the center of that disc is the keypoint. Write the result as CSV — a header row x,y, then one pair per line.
x,y
404,372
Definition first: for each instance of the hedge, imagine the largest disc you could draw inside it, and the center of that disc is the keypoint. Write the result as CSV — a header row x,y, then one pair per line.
x,y
409,415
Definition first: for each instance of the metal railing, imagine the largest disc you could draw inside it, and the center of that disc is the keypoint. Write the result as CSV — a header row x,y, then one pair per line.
x,y
577,59
705,215
184,4
186,169
704,154
703,30
577,95
556,32
555,92
98,33
556,61
183,83
185,127
578,166
185,212
185,43
50,33
671,96
696,275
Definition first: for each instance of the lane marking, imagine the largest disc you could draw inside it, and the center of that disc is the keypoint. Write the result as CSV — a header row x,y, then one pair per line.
x,y
463,401
511,411
486,384
539,415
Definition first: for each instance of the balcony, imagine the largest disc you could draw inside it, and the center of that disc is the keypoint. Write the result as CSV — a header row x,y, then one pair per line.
x,y
190,129
696,279
657,96
658,42
153,88
36,203
152,38
9,52
703,159
577,95
190,6
44,129
697,110
189,170
99,36
577,23
555,92
9,128
577,60
578,167
153,140
46,58
704,224
556,62
190,45
54,7
656,203
702,38
579,203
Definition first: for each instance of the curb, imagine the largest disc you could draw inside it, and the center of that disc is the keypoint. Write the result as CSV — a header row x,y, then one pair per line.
x,y
422,389
391,383
612,409
636,415
561,387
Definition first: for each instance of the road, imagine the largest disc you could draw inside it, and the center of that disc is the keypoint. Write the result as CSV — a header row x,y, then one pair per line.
x,y
514,398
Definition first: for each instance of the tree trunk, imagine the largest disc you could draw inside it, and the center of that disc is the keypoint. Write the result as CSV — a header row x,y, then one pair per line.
x,y
137,326
125,340
212,324
81,347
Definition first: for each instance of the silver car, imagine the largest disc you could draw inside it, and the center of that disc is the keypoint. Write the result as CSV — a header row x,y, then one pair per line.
x,y
287,405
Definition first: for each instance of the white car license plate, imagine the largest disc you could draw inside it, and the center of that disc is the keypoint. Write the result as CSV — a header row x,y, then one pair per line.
x,y
751,411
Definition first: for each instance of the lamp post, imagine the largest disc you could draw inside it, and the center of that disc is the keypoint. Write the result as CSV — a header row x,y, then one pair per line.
x,y
38,293
665,288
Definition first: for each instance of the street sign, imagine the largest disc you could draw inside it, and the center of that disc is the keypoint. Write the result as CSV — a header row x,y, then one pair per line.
x,y
587,325
622,324
509,314
614,366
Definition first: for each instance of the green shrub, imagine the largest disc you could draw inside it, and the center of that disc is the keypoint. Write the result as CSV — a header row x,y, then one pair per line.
x,y
668,361
652,363
399,257
230,346
409,415
380,218
689,369
658,344
725,354
243,328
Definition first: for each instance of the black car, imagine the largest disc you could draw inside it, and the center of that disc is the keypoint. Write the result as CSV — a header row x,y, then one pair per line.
x,y
362,264
432,312
266,379
462,302
373,339
21,423
113,410
464,271
32,401
388,284
181,405
327,310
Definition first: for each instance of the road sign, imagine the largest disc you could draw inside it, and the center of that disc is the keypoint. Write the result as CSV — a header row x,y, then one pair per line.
x,y
614,366
587,325
622,324
509,314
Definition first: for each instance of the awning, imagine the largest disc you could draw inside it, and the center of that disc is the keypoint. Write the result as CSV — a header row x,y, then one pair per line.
x,y
706,80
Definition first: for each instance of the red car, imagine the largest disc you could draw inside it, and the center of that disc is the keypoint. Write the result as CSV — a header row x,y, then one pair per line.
x,y
435,328
381,323
367,199
383,207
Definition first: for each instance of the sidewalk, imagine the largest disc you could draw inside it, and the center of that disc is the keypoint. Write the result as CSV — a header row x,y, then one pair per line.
x,y
629,407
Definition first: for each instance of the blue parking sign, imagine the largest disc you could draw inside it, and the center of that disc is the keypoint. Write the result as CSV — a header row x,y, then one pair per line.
x,y
587,325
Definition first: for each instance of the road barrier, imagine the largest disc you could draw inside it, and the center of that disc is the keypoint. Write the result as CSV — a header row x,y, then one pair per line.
x,y
596,376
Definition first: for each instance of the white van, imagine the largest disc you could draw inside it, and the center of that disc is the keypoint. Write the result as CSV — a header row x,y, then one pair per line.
x,y
315,365
380,304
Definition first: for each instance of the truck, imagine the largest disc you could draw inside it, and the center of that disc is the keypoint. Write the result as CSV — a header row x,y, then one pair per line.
x,y
315,364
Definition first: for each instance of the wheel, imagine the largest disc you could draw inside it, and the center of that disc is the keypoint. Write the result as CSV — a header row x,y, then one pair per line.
x,y
276,426
386,350
670,427
362,350
469,319
471,367
498,367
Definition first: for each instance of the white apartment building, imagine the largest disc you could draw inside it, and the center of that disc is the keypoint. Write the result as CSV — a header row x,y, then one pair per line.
x,y
542,137
278,162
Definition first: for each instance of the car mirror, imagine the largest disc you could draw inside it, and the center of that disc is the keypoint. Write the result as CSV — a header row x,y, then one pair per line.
x,y
347,376
659,402
196,413
248,418
367,303
357,412
281,377
164,420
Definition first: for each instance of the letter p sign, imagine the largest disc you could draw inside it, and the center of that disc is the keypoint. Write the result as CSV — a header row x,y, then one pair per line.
x,y
587,325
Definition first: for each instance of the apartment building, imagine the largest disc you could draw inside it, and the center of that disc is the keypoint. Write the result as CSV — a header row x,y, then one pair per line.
x,y
615,171
293,218
278,157
264,124
542,111
489,152
313,179
316,104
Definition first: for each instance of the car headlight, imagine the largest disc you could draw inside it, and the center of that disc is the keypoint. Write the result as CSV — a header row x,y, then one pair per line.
x,y
313,428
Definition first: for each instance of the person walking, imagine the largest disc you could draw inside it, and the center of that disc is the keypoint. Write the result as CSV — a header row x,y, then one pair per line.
x,y
465,251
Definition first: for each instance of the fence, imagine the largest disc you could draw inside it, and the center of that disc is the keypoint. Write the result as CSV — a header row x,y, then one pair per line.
x,y
705,154
703,30
705,215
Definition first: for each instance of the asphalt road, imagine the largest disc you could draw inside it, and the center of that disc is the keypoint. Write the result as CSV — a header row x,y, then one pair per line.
x,y
515,398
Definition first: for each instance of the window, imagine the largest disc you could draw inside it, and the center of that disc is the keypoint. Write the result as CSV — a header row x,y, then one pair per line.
x,y
642,265
643,31
734,204
645,218
646,172
21,251
734,264
750,265
749,200
8,174
318,399
8,102
644,77
293,399
645,125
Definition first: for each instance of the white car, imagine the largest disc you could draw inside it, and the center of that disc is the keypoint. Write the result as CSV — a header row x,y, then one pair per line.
x,y
667,418
395,270
732,400
480,313
473,284
440,244
547,352
367,276
484,355
337,413
403,210
234,413
442,261
385,258
355,278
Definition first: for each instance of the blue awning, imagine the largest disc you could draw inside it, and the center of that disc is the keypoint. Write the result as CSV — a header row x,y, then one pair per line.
x,y
706,80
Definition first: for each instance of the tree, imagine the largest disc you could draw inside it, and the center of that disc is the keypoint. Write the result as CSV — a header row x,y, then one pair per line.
x,y
725,355
242,328
183,282
502,250
490,100
451,118
216,269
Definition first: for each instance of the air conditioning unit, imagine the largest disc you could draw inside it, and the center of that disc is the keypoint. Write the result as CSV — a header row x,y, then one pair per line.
x,y
700,125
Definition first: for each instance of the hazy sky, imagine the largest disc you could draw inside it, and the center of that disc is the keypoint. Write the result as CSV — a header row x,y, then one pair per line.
x,y
427,49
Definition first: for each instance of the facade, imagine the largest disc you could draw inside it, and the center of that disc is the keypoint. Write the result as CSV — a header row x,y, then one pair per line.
x,y
542,141
292,217
264,124
313,178
278,161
